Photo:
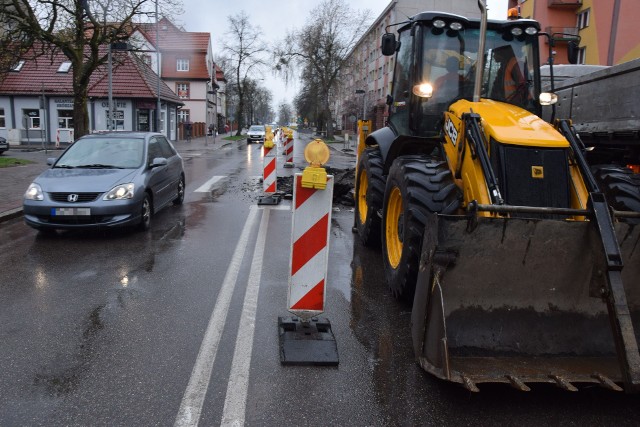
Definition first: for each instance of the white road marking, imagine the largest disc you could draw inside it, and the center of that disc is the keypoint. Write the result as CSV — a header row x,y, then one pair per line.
x,y
206,187
283,206
191,405
235,402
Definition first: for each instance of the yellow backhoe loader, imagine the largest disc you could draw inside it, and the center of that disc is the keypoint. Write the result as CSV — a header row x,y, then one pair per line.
x,y
490,220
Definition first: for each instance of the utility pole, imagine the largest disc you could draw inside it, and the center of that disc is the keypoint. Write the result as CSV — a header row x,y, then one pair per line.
x,y
158,67
110,74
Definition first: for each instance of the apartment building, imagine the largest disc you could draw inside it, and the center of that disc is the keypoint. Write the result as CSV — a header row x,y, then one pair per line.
x,y
606,28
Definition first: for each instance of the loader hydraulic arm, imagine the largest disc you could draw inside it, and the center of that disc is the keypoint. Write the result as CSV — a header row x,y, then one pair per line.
x,y
615,297
479,150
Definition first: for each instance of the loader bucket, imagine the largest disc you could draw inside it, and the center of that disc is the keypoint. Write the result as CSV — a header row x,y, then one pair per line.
x,y
519,301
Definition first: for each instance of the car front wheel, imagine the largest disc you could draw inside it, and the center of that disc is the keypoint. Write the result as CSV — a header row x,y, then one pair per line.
x,y
145,213
180,197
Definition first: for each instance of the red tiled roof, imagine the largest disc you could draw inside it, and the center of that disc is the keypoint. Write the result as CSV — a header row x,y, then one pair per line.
x,y
131,78
220,75
176,43
173,38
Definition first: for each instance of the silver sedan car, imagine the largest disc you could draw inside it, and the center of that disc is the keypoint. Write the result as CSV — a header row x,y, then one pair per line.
x,y
106,180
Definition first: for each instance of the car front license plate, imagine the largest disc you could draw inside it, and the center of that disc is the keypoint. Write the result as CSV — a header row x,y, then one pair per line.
x,y
70,211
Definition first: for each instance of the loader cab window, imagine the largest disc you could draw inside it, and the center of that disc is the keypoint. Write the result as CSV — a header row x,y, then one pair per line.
x,y
509,71
401,92
446,67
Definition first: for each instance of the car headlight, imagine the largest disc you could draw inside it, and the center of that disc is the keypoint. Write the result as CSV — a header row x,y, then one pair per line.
x,y
120,192
34,192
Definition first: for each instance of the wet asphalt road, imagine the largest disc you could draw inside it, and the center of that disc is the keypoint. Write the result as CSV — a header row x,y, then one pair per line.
x,y
105,328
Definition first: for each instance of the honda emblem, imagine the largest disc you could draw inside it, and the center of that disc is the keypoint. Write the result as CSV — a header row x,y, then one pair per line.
x,y
72,198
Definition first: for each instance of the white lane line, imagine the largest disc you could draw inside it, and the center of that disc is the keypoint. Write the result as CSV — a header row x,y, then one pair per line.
x,y
235,402
206,187
191,405
281,207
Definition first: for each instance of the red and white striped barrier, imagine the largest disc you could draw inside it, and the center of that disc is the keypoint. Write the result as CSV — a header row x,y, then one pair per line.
x,y
311,225
288,150
269,175
67,136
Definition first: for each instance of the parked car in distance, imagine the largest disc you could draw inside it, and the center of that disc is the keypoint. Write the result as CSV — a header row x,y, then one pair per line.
x,y
256,133
106,180
4,145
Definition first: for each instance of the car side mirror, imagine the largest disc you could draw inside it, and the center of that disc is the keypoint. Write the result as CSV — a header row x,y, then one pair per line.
x,y
158,161
389,44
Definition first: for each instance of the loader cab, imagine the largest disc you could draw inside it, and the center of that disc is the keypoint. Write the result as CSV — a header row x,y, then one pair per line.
x,y
436,62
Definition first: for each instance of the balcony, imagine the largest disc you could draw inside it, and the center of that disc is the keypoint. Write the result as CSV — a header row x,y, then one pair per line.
x,y
562,34
564,4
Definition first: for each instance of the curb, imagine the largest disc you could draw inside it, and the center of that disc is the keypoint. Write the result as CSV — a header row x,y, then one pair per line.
x,y
10,214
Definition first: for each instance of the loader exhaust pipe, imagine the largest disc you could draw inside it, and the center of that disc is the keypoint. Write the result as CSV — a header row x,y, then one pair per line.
x,y
480,62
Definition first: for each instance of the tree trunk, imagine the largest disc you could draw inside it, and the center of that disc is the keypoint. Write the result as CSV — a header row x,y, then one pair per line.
x,y
80,111
329,119
240,113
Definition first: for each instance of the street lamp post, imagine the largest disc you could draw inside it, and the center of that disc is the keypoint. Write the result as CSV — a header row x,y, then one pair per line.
x,y
158,67
111,116
364,102
215,115
110,94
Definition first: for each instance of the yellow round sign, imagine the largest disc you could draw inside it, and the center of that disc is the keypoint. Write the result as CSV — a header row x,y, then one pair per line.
x,y
316,153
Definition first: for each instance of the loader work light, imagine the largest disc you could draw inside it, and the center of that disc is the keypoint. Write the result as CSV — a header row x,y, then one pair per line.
x,y
548,98
423,90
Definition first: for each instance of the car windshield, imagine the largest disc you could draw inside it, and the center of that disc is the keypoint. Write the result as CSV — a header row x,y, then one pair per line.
x,y
256,129
118,153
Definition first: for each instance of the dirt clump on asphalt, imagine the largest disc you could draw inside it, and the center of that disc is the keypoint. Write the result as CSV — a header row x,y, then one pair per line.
x,y
342,187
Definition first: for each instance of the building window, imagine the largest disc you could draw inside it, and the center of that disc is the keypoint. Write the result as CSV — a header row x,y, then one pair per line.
x,y
182,89
118,119
183,116
583,19
31,118
65,119
182,65
18,66
146,59
2,122
582,55
64,67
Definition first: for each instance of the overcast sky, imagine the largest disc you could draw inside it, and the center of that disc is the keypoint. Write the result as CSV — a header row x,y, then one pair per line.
x,y
275,18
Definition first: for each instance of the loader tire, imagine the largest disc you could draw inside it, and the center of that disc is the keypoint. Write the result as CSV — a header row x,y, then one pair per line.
x,y
369,193
416,186
620,186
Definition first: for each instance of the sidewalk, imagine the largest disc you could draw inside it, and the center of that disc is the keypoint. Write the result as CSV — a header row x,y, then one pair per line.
x,y
15,180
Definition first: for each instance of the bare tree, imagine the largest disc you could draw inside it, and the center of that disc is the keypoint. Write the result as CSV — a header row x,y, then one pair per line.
x,y
246,50
262,104
285,113
321,48
79,29
257,101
